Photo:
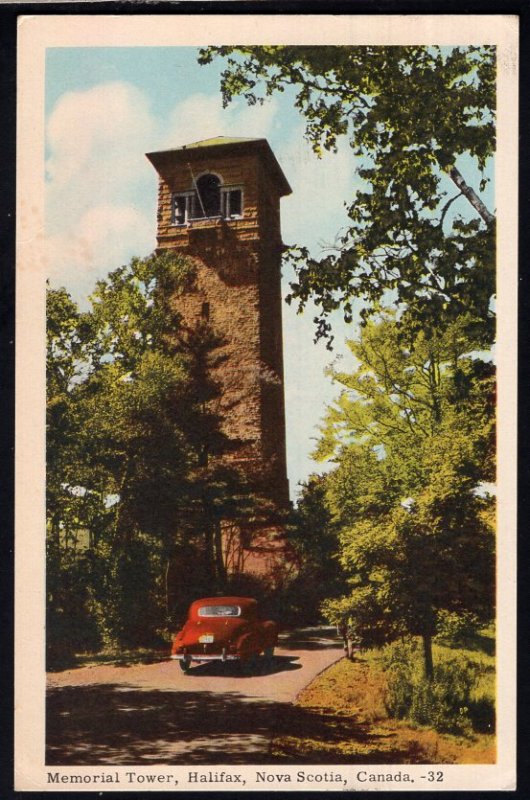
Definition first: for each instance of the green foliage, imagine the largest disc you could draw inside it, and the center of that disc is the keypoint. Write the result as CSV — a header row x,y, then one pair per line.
x,y
70,627
132,449
127,594
455,629
409,392
442,703
123,408
313,537
448,703
410,114
335,610
412,436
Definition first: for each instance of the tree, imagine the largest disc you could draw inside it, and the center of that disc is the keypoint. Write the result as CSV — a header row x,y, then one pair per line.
x,y
415,116
313,537
68,335
69,508
135,450
412,436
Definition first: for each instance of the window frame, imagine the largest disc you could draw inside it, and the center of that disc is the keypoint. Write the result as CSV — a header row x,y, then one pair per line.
x,y
192,204
226,191
189,195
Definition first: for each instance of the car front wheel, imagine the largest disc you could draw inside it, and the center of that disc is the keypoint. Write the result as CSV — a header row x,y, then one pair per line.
x,y
185,664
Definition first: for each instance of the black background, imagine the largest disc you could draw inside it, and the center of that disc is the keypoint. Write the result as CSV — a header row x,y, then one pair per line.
x,y
9,12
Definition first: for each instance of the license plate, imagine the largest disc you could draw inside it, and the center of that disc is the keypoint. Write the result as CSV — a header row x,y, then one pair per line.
x,y
207,638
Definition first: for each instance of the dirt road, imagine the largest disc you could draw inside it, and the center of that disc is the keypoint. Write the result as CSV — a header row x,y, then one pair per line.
x,y
153,713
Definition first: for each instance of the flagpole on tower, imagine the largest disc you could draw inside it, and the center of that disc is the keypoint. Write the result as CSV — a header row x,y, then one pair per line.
x,y
197,190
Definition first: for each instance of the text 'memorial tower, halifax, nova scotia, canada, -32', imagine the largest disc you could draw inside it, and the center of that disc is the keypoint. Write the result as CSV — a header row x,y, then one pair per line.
x,y
219,203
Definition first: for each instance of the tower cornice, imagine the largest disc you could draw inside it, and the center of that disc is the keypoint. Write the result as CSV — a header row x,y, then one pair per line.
x,y
218,147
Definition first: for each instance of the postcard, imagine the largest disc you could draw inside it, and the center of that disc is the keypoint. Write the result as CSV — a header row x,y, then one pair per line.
x,y
266,402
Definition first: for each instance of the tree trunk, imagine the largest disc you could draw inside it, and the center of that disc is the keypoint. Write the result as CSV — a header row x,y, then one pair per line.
x,y
427,656
210,553
470,195
220,569
166,580
123,525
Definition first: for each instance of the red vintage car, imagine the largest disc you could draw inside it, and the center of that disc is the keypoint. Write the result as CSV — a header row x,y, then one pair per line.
x,y
224,629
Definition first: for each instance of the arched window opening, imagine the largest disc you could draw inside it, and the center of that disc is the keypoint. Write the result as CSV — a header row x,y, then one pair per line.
x,y
209,195
207,198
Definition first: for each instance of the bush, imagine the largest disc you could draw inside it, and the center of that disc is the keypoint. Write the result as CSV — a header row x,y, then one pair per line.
x,y
127,596
482,713
456,629
445,703
70,627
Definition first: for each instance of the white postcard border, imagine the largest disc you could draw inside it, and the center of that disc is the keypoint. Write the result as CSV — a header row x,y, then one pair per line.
x,y
36,33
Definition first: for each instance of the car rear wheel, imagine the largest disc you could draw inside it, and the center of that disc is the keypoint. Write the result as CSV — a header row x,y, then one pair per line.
x,y
185,664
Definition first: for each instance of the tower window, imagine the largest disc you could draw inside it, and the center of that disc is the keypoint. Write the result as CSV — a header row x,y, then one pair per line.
x,y
205,311
209,196
179,209
231,203
183,207
208,199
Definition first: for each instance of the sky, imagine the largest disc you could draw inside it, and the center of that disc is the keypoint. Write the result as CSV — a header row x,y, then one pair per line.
x,y
108,106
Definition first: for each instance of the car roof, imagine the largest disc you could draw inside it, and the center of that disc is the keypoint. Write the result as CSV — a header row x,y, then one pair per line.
x,y
225,601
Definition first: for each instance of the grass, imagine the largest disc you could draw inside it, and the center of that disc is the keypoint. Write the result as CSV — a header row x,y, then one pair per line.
x,y
341,717
479,651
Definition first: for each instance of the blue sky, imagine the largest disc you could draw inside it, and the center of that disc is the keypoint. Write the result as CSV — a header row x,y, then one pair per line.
x,y
105,108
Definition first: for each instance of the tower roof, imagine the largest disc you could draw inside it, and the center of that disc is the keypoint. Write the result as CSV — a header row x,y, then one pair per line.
x,y
215,140
222,145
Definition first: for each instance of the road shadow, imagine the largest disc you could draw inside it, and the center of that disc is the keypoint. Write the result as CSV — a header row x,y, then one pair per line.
x,y
120,724
234,669
317,638
116,724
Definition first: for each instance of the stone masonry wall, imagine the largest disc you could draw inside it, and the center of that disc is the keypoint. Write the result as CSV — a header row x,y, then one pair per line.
x,y
238,289
238,277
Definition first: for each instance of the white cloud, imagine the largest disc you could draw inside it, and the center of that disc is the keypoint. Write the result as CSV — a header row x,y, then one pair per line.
x,y
95,140
101,190
104,238
85,123
202,116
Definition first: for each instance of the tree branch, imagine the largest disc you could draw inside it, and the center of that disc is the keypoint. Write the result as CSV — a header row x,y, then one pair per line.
x,y
447,206
470,195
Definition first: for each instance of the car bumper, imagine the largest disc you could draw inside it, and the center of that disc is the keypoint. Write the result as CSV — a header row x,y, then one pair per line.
x,y
206,657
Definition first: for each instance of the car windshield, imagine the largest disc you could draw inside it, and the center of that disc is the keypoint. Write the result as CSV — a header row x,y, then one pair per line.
x,y
219,611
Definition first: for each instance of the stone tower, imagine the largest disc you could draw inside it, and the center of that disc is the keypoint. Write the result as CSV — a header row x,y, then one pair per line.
x,y
219,202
